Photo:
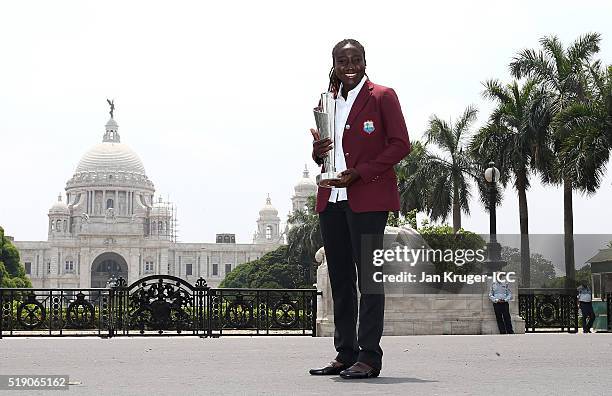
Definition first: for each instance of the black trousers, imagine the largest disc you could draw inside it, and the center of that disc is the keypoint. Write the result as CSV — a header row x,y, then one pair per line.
x,y
502,314
348,237
587,312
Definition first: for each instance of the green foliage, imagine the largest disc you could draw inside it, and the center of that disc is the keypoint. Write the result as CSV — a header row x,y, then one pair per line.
x,y
397,220
304,238
582,275
439,182
271,271
542,271
444,237
12,272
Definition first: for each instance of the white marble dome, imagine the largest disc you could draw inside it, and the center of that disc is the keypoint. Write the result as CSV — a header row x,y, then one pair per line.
x,y
306,185
59,207
268,210
110,157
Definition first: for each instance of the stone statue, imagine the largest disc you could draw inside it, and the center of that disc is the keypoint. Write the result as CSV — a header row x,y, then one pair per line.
x,y
112,106
110,214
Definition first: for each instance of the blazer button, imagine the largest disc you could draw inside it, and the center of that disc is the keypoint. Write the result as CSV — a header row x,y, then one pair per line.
x,y
346,154
347,127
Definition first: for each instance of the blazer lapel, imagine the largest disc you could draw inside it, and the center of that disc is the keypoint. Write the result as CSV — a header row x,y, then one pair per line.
x,y
360,102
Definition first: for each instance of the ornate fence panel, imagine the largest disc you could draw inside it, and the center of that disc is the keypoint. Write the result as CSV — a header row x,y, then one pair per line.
x,y
262,312
552,310
157,305
54,312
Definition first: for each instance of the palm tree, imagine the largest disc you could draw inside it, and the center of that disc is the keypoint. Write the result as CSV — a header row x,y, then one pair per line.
x,y
561,71
439,183
413,179
304,237
587,129
517,139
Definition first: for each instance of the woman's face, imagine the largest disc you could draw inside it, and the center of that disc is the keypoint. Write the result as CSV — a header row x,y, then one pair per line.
x,y
349,66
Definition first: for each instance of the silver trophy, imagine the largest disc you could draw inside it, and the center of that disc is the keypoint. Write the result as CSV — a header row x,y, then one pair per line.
x,y
325,118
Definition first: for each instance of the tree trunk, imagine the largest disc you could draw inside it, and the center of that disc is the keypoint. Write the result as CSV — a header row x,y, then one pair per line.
x,y
568,228
456,210
521,184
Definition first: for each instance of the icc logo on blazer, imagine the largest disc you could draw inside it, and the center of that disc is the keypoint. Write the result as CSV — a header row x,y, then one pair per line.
x,y
368,126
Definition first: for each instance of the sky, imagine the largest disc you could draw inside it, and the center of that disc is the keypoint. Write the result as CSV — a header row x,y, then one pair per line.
x,y
216,98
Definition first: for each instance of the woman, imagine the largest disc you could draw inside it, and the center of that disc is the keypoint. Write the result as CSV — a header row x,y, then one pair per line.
x,y
371,137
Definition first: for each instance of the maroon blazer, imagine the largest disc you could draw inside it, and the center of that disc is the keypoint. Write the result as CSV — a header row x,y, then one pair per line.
x,y
375,139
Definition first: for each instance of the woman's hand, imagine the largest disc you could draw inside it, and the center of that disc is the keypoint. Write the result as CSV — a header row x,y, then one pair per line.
x,y
347,178
320,146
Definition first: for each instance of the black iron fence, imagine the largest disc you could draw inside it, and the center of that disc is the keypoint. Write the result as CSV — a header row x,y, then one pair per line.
x,y
609,311
157,305
552,310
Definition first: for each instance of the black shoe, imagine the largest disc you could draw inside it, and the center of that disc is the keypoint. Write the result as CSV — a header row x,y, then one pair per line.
x,y
359,370
334,368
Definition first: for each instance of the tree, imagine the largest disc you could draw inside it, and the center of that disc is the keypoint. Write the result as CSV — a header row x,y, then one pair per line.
x,y
12,272
561,72
304,237
516,138
542,271
439,183
272,270
587,129
413,180
443,237
582,275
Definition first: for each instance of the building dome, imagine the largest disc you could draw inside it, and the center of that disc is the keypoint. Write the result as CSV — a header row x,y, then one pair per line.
x,y
268,210
110,157
306,184
59,207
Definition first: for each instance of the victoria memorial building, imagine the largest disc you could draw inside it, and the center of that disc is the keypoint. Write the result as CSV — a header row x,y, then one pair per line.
x,y
110,224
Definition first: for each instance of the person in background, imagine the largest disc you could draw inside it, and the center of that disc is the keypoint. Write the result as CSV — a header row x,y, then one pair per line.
x,y
500,294
586,306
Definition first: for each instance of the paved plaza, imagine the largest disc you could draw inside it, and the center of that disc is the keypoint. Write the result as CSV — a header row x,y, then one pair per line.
x,y
542,364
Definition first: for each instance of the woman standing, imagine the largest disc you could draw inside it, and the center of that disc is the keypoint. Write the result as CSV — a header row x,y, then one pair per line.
x,y
371,137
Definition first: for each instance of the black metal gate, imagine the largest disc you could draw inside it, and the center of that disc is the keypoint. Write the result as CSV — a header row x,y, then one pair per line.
x,y
157,305
551,310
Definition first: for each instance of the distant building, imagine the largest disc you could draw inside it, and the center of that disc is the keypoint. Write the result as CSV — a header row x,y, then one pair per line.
x,y
110,224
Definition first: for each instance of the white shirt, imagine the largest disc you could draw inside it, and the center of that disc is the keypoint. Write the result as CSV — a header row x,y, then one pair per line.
x,y
343,108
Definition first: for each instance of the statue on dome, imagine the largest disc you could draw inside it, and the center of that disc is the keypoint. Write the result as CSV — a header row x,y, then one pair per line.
x,y
112,106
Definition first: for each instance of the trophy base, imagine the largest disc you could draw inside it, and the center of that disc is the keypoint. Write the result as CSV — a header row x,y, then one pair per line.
x,y
324,178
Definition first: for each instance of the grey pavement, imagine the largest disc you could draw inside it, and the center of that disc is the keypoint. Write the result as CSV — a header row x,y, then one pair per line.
x,y
540,364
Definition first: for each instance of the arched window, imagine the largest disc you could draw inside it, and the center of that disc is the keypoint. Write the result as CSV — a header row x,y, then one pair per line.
x,y
52,225
65,226
153,227
269,232
58,226
109,203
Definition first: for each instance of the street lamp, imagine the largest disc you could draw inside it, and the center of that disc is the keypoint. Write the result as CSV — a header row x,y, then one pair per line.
x,y
494,261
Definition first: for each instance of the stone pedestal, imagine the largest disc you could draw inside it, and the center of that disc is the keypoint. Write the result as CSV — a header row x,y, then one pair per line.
x,y
422,314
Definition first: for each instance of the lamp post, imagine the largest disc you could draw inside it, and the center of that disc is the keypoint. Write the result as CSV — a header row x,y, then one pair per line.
x,y
494,261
